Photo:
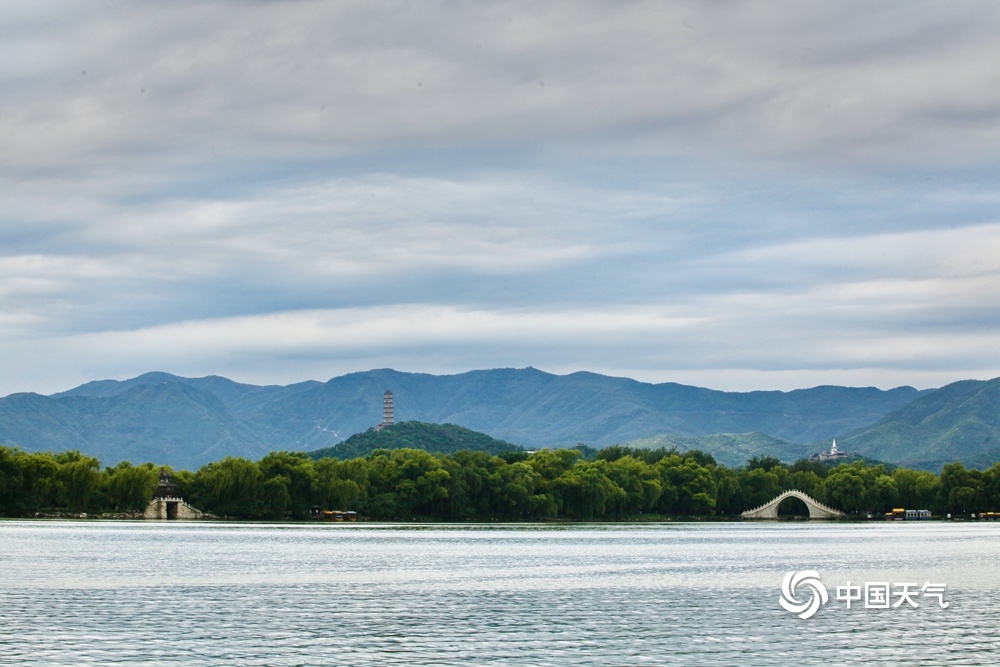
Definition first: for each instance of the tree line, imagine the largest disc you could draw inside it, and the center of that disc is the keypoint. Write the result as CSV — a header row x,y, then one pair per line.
x,y
614,483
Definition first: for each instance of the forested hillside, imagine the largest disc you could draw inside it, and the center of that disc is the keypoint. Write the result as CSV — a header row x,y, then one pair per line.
x,y
435,438
959,422
731,449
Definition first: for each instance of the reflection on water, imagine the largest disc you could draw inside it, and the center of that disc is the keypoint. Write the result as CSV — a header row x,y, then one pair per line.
x,y
210,594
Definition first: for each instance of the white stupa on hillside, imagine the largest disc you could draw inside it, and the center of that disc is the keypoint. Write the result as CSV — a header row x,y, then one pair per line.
x,y
834,453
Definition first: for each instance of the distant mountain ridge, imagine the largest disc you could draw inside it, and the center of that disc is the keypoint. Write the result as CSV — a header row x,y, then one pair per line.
x,y
959,422
164,422
186,422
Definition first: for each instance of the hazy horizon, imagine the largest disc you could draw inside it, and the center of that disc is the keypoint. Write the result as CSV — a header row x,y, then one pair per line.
x,y
472,370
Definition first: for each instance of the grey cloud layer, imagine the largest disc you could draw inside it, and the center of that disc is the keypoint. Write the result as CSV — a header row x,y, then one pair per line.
x,y
783,195
310,80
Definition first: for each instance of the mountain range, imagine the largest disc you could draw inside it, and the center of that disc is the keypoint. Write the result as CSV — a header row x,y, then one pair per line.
x,y
186,422
959,422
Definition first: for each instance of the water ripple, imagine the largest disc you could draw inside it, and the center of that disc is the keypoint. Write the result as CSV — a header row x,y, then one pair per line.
x,y
211,594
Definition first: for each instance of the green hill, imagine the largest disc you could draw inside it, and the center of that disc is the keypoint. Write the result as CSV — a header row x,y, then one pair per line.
x,y
959,422
729,449
436,438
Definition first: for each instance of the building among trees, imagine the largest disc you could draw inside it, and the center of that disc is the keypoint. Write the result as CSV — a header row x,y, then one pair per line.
x,y
166,504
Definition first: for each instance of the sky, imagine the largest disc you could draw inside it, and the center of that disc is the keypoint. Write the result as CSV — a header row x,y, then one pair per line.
x,y
732,195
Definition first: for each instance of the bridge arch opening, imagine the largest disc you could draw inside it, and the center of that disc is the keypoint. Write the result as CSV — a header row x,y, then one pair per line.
x,y
793,507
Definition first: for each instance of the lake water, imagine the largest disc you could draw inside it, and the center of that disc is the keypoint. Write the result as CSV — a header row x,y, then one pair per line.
x,y
84,593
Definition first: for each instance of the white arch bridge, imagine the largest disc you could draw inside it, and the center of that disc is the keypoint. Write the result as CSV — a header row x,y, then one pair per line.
x,y
817,510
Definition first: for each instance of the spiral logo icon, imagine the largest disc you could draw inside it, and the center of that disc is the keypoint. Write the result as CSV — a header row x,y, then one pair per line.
x,y
808,579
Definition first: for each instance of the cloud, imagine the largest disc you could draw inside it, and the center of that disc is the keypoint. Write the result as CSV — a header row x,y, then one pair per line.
x,y
743,342
754,193
360,239
305,80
